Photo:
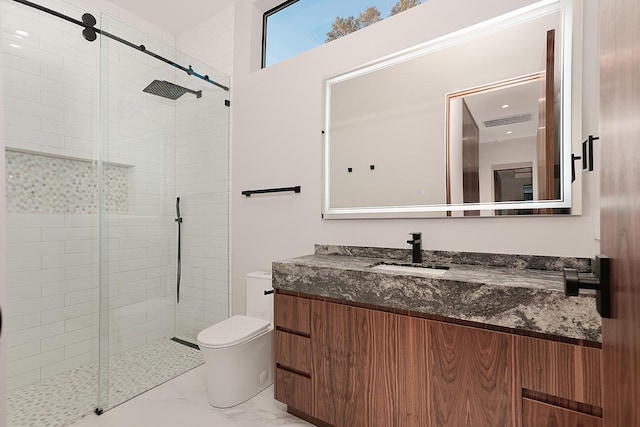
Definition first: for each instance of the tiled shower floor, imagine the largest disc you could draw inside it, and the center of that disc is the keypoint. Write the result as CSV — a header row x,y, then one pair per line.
x,y
63,398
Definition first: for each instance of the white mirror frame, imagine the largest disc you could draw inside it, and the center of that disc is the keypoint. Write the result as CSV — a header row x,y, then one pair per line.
x,y
487,27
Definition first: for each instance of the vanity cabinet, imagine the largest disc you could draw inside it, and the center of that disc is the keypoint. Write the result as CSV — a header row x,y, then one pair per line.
x,y
341,365
292,348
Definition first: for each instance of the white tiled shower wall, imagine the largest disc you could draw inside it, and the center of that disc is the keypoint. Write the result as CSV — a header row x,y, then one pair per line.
x,y
202,185
52,91
203,170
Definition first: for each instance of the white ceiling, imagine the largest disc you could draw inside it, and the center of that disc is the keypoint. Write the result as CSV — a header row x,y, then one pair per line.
x,y
174,16
521,99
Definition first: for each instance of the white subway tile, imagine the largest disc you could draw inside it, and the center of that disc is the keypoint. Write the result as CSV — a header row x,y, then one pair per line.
x,y
37,361
67,364
27,292
23,235
79,271
76,246
35,277
23,351
81,322
21,64
68,338
66,312
70,233
78,297
33,108
89,346
21,120
34,220
127,254
34,248
68,260
23,138
70,285
69,104
34,305
21,380
34,334
20,323
24,264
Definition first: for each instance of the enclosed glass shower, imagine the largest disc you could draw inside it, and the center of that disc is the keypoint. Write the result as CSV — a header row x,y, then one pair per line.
x,y
98,154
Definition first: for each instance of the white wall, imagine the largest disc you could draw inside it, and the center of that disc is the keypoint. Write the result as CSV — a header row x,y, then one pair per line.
x,y
277,141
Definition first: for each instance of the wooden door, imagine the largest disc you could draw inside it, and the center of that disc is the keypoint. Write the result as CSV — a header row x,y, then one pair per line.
x,y
620,210
354,365
546,146
470,159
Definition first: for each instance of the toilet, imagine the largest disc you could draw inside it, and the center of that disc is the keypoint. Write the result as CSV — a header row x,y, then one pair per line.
x,y
237,351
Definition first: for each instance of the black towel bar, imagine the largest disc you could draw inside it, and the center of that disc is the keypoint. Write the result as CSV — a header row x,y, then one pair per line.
x,y
248,193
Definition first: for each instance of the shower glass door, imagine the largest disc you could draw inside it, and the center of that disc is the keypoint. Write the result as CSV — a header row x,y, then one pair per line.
x,y
164,137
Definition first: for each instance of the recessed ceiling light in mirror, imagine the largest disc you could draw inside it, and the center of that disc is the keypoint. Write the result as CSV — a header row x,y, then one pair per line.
x,y
505,106
22,33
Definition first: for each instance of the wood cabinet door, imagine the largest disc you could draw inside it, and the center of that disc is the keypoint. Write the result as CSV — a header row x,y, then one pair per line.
x,y
539,414
473,376
354,365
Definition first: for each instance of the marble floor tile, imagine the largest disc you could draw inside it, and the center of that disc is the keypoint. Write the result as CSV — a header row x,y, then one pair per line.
x,y
183,402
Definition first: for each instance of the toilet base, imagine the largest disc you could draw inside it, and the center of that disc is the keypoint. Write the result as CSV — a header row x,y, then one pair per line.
x,y
235,374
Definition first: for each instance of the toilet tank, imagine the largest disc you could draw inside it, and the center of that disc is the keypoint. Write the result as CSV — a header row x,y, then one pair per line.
x,y
259,305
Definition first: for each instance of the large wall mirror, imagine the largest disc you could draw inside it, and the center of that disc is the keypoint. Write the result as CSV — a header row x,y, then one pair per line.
x,y
476,123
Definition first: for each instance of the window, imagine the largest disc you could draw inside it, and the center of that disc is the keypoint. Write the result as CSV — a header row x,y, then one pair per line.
x,y
296,26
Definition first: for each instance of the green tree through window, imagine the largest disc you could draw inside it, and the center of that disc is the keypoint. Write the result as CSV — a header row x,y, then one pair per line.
x,y
343,26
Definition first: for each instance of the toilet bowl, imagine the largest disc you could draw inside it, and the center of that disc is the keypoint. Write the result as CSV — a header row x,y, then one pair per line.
x,y
237,351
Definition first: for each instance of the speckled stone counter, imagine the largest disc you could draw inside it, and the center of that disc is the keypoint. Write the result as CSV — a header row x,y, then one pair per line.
x,y
510,297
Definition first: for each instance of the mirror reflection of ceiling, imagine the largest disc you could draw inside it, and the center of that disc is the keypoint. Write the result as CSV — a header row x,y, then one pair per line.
x,y
508,104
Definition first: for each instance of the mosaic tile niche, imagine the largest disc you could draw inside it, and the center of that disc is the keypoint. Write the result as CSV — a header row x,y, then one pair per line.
x,y
38,183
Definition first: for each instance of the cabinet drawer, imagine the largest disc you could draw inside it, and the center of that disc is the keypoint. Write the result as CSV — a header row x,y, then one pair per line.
x,y
292,313
538,414
563,370
293,352
294,390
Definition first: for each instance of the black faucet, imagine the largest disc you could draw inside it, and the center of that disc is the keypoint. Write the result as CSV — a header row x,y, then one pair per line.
x,y
416,246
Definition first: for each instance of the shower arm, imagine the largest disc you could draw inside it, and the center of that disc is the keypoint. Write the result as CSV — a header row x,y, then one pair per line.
x,y
88,23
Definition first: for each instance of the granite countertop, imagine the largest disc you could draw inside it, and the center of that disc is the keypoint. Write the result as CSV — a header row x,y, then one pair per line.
x,y
516,298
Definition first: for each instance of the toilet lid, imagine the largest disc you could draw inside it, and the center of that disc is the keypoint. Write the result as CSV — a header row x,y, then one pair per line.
x,y
234,330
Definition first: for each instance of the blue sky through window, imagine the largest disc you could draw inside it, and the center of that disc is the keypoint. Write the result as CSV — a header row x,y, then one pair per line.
x,y
304,24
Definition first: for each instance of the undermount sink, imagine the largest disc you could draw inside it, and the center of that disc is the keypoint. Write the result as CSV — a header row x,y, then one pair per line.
x,y
424,270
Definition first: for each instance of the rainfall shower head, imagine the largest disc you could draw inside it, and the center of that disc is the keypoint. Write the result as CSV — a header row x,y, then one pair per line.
x,y
169,90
